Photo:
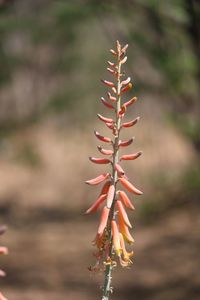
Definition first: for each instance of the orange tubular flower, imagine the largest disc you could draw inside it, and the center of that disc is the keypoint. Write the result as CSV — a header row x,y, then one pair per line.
x,y
131,156
130,187
113,231
116,238
130,123
107,104
98,179
103,221
96,204
125,200
110,196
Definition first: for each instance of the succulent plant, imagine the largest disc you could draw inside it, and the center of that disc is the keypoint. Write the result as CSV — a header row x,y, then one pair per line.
x,y
113,231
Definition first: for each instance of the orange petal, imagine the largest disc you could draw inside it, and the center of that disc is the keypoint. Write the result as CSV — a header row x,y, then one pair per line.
x,y
125,200
123,213
110,125
122,111
126,143
104,119
126,254
98,179
99,160
119,170
116,238
124,230
104,219
102,138
130,123
111,71
96,204
112,64
124,48
108,83
112,98
125,82
129,186
105,151
105,187
114,90
131,156
113,52
106,103
126,88
124,60
110,196
130,102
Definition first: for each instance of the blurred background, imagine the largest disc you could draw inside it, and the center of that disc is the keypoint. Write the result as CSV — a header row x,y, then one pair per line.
x,y
52,56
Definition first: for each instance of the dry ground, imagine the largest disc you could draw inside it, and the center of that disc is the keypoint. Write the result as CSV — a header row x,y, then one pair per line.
x,y
49,239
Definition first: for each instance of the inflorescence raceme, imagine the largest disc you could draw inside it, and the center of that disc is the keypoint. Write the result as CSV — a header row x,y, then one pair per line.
x,y
113,231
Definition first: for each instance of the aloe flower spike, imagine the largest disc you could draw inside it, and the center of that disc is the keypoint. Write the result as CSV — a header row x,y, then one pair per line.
x,y
113,231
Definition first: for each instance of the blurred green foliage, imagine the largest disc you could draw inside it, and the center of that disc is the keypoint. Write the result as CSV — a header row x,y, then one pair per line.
x,y
163,32
28,156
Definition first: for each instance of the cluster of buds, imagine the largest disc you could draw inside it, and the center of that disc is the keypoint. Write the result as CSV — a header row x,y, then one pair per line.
x,y
113,231
3,251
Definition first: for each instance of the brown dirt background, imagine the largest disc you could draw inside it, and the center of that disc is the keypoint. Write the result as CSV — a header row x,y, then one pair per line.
x,y
49,239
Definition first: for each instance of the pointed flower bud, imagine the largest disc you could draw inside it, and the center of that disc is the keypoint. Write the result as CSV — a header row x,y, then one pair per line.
x,y
112,98
124,48
114,90
124,60
96,204
108,83
122,111
126,88
103,220
102,138
124,198
131,156
130,102
113,52
107,104
98,179
111,63
99,160
129,186
110,196
104,119
119,170
125,82
123,213
130,123
110,125
105,187
126,143
111,71
105,151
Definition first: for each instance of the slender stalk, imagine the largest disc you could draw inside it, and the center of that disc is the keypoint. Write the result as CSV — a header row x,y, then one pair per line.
x,y
108,271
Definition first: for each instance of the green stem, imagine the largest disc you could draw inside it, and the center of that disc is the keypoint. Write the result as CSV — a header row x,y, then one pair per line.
x,y
108,271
